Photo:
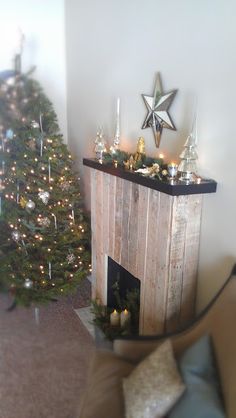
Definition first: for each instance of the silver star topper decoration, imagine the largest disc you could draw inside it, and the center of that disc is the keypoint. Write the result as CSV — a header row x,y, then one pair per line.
x,y
157,105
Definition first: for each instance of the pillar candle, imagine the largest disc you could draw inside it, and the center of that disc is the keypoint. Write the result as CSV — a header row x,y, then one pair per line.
x,y
118,108
124,318
115,318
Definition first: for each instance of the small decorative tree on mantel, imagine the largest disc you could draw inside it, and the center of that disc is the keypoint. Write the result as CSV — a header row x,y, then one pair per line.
x,y
188,156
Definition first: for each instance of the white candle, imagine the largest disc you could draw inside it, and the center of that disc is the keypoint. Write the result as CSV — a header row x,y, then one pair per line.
x,y
73,216
118,108
124,318
115,318
118,118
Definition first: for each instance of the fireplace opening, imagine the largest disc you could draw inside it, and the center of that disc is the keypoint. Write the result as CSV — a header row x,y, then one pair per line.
x,y
123,291
119,279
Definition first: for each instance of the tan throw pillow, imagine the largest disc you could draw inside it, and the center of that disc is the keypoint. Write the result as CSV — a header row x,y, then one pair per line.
x,y
154,385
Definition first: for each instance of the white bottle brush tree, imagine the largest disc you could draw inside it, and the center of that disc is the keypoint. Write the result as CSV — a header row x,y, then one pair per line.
x,y
188,165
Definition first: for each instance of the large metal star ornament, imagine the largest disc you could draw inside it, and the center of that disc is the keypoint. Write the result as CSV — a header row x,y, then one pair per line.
x,y
157,105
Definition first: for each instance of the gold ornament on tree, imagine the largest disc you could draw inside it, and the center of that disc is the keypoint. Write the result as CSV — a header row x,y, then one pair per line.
x,y
23,202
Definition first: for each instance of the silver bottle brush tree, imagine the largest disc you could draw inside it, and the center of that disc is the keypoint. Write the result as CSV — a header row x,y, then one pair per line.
x,y
188,165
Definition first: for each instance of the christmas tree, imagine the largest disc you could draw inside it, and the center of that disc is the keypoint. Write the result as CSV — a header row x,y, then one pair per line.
x,y
44,232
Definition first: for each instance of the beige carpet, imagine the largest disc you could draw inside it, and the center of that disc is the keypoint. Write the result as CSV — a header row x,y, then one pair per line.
x,y
43,367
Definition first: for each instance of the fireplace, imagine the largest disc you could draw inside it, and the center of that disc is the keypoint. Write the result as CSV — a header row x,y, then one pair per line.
x,y
152,230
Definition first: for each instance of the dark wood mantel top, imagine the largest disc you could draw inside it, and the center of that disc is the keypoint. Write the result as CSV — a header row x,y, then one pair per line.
x,y
176,188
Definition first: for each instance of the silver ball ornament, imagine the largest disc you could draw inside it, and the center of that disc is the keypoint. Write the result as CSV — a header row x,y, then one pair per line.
x,y
16,236
44,196
28,284
35,124
30,206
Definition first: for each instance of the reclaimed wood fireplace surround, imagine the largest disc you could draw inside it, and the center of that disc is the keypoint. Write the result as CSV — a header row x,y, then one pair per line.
x,y
152,229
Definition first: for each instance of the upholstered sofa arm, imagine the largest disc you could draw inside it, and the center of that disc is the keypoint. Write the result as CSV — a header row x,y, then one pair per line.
x,y
219,321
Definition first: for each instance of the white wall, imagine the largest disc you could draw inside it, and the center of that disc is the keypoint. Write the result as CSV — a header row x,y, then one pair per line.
x,y
43,24
114,48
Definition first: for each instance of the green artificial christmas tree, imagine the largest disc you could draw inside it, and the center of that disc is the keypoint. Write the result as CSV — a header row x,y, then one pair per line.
x,y
44,233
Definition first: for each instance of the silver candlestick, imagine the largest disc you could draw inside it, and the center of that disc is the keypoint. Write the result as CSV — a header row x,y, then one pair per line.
x,y
116,141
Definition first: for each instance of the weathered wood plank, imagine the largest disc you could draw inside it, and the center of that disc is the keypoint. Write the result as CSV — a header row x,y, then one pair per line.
x,y
133,230
162,260
112,212
105,232
106,212
93,229
143,211
118,219
190,265
150,320
177,248
100,279
126,211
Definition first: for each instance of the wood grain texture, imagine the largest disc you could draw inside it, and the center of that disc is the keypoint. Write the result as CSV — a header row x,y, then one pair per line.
x,y
141,254
191,256
126,215
118,220
100,279
155,237
176,261
112,212
150,282
93,229
162,260
133,230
